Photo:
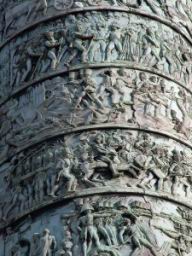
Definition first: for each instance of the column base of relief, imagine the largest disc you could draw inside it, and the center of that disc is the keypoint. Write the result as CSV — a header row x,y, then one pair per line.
x,y
121,224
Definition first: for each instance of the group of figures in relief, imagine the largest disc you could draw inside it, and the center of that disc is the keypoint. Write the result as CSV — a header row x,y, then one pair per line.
x,y
15,13
101,159
111,228
94,38
88,97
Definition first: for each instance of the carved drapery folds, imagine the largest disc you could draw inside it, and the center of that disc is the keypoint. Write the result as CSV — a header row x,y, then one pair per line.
x,y
95,128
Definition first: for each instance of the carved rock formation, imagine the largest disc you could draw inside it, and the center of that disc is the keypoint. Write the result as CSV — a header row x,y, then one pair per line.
x,y
95,128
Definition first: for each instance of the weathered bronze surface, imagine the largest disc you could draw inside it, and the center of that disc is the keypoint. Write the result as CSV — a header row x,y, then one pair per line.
x,y
96,128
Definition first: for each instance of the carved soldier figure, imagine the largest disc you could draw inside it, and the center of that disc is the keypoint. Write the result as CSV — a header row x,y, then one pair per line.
x,y
103,231
145,143
186,69
112,230
76,37
29,188
17,201
37,5
87,167
167,59
67,245
182,243
64,168
47,157
47,243
35,245
150,100
39,185
98,43
24,66
89,232
156,170
151,52
51,45
87,228
141,237
115,42
89,92
17,66
104,154
21,248
116,85
37,162
15,251
178,173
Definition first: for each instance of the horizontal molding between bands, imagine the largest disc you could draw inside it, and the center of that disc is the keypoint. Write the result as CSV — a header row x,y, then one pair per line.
x,y
108,190
157,18
117,64
81,129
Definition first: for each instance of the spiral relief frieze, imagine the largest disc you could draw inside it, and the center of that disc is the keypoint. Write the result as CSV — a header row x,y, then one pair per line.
x,y
80,39
95,128
18,14
94,96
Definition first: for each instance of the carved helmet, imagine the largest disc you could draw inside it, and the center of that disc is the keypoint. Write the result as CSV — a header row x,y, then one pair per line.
x,y
108,204
86,207
115,25
121,205
49,34
46,231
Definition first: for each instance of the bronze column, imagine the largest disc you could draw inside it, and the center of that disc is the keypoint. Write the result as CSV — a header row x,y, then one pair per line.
x,y
95,141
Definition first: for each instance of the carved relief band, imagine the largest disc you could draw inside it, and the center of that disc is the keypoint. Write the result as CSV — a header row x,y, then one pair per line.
x,y
67,42
133,161
17,13
93,226
88,97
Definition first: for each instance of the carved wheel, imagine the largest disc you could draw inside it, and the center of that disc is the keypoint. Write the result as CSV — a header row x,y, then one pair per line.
x,y
63,4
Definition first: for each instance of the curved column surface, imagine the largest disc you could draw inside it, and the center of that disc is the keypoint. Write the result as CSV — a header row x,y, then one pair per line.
x,y
95,128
